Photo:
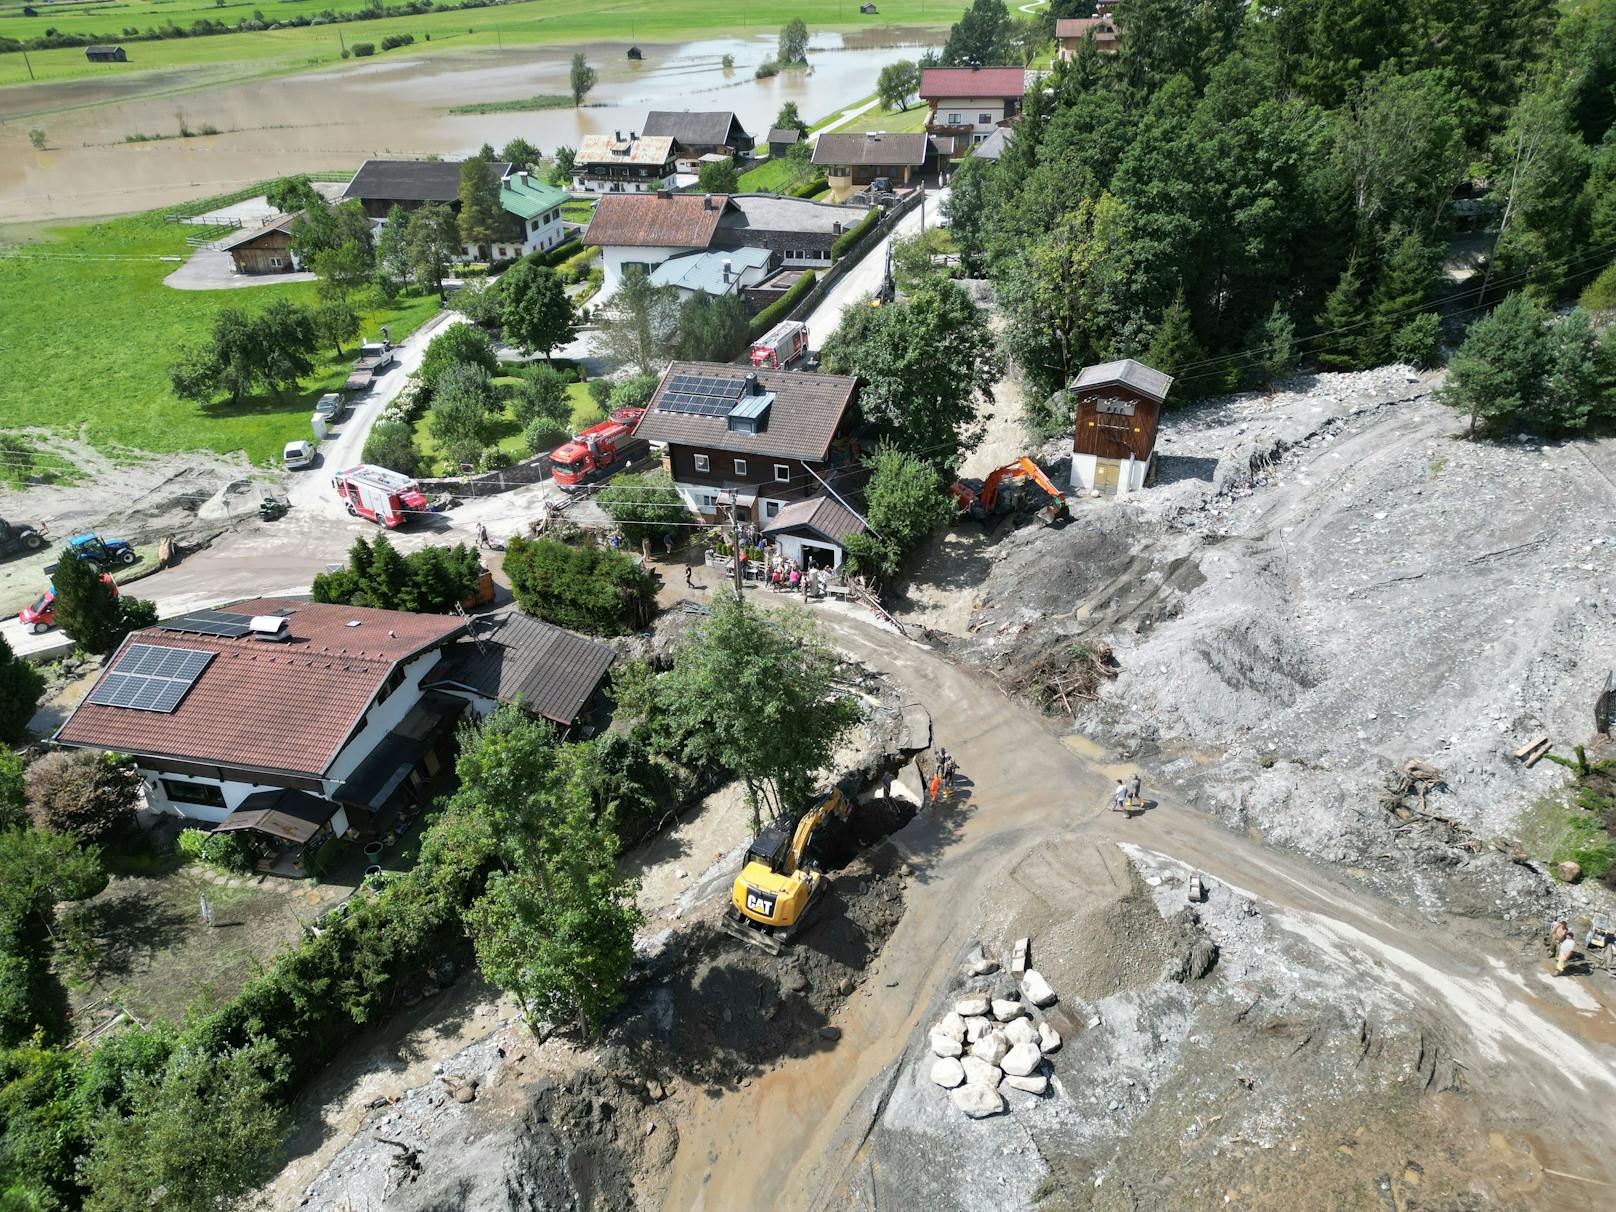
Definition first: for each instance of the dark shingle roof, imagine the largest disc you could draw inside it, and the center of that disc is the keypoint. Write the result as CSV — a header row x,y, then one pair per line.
x,y
784,134
552,671
411,180
651,220
694,129
1135,374
881,147
800,424
283,706
824,515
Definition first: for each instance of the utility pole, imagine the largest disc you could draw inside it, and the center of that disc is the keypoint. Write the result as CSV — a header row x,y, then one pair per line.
x,y
735,538
499,39
26,63
341,45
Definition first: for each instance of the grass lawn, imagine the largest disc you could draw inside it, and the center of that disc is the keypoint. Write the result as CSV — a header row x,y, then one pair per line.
x,y
507,433
311,47
91,331
881,118
772,176
578,210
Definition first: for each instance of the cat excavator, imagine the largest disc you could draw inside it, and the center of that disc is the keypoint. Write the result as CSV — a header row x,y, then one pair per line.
x,y
779,882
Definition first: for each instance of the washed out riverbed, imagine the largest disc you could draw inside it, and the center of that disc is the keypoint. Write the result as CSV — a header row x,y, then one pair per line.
x,y
397,106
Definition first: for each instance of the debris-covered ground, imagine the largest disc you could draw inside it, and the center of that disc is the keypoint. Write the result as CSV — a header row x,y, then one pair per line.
x,y
1325,583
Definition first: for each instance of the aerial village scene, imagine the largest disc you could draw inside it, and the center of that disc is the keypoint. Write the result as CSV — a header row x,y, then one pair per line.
x,y
941,605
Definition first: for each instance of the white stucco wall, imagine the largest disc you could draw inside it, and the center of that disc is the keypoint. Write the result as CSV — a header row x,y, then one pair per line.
x,y
234,793
380,720
614,257
1131,473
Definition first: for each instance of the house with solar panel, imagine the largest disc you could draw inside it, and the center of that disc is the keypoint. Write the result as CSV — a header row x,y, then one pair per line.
x,y
780,447
296,723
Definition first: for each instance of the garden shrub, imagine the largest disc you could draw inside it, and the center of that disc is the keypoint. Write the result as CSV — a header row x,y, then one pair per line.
x,y
591,589
363,50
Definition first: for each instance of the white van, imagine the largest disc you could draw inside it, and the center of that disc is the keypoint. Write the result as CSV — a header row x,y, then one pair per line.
x,y
297,455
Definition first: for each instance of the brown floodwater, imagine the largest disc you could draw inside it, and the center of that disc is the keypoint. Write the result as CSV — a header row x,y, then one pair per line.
x,y
335,119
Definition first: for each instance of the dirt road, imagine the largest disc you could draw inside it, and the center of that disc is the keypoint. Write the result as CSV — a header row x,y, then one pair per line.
x,y
797,1135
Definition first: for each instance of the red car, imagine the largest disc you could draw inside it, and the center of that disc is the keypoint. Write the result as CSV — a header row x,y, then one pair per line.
x,y
41,614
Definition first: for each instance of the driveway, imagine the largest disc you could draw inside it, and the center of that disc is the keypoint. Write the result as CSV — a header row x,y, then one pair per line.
x,y
864,279
213,269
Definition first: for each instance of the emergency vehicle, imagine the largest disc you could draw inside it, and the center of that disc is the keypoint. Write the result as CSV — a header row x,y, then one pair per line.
x,y
599,450
780,346
382,496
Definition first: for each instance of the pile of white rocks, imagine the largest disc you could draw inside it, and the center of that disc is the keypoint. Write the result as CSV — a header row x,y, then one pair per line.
x,y
988,1041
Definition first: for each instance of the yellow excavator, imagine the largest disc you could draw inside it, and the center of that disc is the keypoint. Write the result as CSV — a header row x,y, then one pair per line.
x,y
778,883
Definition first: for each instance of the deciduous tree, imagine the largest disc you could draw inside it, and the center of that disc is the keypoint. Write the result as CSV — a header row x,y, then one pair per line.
x,y
788,117
711,329
89,794
928,362
980,38
481,219
535,309
645,507
897,83
793,46
457,345
431,242
755,692
391,444
582,77
637,323
520,154
718,177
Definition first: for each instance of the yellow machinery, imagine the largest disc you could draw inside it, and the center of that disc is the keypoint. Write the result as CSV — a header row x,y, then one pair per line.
x,y
777,885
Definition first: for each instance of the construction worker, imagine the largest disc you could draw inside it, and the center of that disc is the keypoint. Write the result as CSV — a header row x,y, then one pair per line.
x,y
1136,797
1563,953
1119,797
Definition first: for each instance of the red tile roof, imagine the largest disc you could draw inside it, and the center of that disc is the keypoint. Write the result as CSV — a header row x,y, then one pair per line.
x,y
267,706
943,82
651,220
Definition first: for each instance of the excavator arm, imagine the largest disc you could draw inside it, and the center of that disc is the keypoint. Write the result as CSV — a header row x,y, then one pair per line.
x,y
834,804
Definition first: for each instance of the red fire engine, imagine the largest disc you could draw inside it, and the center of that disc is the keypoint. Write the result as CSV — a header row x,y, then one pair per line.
x,y
781,345
599,450
380,495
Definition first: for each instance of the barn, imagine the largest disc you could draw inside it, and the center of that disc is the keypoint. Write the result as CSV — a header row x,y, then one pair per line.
x,y
1116,411
106,54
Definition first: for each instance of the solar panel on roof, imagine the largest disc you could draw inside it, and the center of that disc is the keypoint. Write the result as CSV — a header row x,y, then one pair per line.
x,y
151,677
700,395
211,622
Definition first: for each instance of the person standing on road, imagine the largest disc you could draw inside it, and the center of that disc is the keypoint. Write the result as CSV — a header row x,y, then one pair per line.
x,y
1136,791
1119,797
688,579
482,535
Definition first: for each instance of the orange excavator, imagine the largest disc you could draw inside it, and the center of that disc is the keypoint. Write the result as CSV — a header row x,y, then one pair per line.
x,y
1019,487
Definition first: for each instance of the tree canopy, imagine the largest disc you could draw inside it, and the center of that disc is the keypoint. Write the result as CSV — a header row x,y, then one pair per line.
x,y
534,308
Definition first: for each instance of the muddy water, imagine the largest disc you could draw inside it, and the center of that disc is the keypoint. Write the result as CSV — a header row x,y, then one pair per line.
x,y
335,119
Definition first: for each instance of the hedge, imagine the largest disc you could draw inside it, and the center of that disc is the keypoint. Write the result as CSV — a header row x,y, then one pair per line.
x,y
564,251
808,188
854,234
781,307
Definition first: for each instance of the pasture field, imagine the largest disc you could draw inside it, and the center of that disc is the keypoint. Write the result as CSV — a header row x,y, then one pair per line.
x,y
91,331
617,23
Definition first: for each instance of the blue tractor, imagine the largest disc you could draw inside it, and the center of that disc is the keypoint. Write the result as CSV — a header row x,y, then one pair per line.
x,y
103,553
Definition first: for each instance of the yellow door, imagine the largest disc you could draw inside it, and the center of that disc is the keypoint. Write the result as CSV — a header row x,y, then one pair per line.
x,y
1105,476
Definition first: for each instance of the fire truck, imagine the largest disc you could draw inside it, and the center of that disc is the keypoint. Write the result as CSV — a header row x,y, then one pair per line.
x,y
780,346
599,450
380,495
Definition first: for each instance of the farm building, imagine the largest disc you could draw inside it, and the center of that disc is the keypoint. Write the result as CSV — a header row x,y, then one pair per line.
x,y
1116,410
106,54
263,250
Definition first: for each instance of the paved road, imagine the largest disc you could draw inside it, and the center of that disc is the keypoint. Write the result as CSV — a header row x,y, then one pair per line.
x,y
864,279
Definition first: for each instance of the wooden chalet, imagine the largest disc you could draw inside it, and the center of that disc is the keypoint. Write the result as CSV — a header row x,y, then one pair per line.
x,y
1116,412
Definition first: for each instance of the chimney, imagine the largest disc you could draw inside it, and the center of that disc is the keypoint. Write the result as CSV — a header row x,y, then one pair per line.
x,y
271,628
728,276
869,136
664,193
750,384
521,179
617,136
707,202
633,135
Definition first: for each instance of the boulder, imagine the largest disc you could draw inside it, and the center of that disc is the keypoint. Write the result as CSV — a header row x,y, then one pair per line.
x,y
991,1047
981,1073
831,1033
1004,1010
1022,1060
941,1045
947,1072
953,1026
976,1028
1036,1084
1020,1031
968,1007
977,1101
1569,872
1036,989
1049,1039
978,964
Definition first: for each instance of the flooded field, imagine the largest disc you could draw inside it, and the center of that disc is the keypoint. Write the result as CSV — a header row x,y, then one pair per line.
x,y
336,119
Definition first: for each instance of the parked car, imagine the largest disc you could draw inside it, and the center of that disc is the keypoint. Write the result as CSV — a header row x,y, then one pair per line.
x,y
298,455
40,614
18,537
103,553
332,406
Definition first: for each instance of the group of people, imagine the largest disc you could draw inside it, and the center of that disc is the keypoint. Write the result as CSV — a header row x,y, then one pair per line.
x,y
1564,943
1127,796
